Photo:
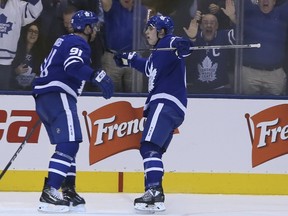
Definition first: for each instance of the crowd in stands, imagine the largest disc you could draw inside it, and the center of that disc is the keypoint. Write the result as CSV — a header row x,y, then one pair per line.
x,y
122,23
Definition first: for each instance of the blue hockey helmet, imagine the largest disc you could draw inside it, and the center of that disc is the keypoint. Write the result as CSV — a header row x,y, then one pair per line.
x,y
83,18
161,22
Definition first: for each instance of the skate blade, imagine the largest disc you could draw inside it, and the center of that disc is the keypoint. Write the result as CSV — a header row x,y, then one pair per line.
x,y
50,208
149,209
77,209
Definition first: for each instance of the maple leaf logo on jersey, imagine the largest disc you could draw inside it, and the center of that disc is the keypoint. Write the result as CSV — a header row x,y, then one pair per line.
x,y
207,71
152,74
5,26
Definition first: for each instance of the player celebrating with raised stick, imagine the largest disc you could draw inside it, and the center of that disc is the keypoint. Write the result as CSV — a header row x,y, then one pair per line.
x,y
165,106
62,78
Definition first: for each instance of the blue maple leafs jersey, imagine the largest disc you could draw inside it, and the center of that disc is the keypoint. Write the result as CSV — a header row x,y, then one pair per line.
x,y
66,68
210,68
167,76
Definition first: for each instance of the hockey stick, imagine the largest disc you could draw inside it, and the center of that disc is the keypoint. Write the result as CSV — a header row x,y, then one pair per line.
x,y
240,46
20,148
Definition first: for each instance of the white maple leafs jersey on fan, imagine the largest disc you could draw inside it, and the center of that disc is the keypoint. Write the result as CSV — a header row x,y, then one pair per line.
x,y
66,68
15,15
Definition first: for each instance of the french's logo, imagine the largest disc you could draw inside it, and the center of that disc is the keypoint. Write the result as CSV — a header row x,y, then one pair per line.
x,y
270,128
115,128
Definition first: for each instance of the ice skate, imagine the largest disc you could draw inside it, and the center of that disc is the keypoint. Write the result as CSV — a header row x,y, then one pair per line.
x,y
152,201
77,203
51,201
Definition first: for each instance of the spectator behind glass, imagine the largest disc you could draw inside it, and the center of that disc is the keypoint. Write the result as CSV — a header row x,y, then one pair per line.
x,y
67,15
52,22
26,64
265,23
14,14
210,68
86,4
214,7
118,36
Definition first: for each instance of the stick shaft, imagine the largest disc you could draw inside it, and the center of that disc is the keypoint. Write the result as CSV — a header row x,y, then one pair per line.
x,y
19,149
240,46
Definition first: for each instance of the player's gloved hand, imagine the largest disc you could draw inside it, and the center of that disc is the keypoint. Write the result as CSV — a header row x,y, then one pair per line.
x,y
124,59
104,82
182,46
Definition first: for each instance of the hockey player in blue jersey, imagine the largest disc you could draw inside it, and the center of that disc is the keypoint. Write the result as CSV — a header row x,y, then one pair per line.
x,y
166,103
62,78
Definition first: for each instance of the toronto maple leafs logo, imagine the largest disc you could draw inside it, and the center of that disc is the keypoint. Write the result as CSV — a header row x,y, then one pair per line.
x,y
5,26
152,72
207,71
162,17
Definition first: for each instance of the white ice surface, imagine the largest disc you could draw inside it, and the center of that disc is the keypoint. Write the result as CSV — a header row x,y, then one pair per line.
x,y
121,204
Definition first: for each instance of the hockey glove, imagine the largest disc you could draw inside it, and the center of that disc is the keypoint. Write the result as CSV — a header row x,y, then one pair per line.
x,y
182,46
104,82
124,59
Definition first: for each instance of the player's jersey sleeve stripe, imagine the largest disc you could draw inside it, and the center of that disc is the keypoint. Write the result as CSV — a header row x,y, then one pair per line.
x,y
71,60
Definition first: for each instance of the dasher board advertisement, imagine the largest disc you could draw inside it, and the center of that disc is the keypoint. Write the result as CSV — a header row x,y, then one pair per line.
x,y
217,136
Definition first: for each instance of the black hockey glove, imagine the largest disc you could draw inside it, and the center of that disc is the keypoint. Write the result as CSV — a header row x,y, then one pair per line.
x,y
104,82
124,59
182,46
